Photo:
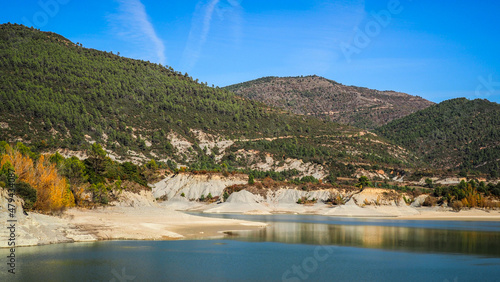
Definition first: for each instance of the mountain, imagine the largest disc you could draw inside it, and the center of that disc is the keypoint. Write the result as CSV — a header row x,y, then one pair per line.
x,y
455,134
58,95
329,100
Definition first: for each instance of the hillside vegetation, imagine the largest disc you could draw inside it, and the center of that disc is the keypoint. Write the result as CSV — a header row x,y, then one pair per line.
x,y
455,134
38,181
329,100
59,95
51,183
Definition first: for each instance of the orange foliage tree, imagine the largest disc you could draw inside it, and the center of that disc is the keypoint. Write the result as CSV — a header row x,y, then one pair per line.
x,y
472,197
53,191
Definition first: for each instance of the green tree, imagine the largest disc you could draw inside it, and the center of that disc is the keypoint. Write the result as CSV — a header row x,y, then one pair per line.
x,y
56,158
429,183
27,193
363,182
97,158
251,179
99,193
152,165
74,170
4,147
332,178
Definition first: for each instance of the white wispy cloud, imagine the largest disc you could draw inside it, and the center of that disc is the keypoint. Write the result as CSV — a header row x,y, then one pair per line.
x,y
133,25
200,27
207,19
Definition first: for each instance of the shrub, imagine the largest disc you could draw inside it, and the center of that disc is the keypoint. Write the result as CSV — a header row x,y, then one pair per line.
x,y
339,200
428,183
104,199
251,179
430,201
487,204
162,198
268,182
152,165
306,201
183,195
331,178
457,206
409,201
309,179
495,191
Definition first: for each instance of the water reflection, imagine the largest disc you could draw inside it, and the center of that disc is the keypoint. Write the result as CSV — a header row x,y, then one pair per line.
x,y
414,236
380,237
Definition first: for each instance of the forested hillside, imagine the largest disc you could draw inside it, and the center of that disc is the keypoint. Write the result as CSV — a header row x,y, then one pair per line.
x,y
59,95
329,100
75,91
455,134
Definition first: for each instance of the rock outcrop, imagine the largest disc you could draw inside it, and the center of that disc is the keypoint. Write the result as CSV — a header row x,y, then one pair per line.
x,y
242,202
130,199
194,186
37,229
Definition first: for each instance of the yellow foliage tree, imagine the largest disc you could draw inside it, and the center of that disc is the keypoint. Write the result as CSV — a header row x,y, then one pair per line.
x,y
53,191
472,197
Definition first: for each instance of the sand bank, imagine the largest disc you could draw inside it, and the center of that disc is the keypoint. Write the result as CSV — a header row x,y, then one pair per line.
x,y
152,223
118,223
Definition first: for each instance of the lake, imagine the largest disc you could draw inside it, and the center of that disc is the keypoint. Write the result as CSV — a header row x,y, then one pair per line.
x,y
292,248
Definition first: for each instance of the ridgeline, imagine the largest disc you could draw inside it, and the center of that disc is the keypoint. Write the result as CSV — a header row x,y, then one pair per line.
x,y
330,100
457,134
59,95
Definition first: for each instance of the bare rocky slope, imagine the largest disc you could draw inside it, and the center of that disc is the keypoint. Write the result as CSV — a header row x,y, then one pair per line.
x,y
327,99
182,192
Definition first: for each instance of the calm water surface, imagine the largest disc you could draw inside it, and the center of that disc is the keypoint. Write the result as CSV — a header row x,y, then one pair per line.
x,y
292,248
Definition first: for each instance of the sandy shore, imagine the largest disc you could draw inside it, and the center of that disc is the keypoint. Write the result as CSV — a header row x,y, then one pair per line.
x,y
152,223
247,203
117,223
448,214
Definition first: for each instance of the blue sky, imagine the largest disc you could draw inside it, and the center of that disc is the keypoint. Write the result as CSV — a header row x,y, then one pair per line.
x,y
435,49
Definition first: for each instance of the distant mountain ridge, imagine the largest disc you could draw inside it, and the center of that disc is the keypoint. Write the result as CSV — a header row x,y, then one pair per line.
x,y
329,100
455,134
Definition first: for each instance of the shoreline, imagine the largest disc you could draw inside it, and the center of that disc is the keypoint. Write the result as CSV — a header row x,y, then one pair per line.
x,y
474,214
425,214
152,223
120,223
160,223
